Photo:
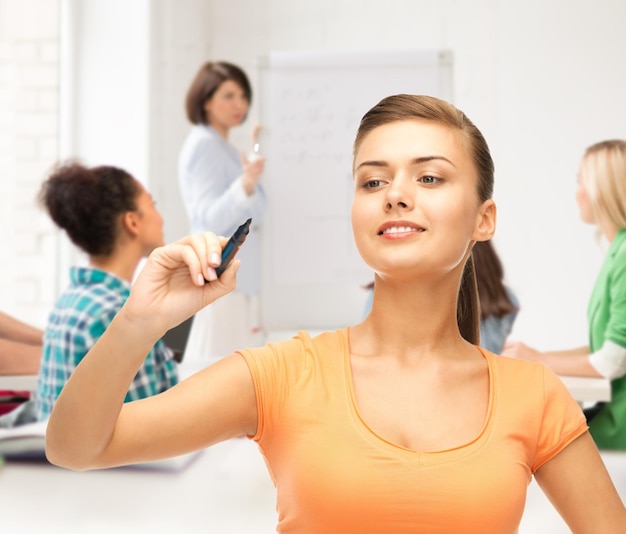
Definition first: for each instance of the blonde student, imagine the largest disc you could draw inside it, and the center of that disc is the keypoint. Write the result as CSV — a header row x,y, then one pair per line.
x,y
398,424
601,199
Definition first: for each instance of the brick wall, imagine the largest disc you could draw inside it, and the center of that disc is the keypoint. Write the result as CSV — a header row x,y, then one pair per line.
x,y
29,74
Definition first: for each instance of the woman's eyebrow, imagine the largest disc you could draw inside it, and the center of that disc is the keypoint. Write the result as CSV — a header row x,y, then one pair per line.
x,y
373,163
425,159
415,161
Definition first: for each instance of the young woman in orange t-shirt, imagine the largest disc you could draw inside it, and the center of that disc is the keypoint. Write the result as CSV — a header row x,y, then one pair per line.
x,y
397,424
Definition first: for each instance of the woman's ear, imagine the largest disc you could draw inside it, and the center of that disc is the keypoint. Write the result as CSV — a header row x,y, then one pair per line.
x,y
485,221
130,222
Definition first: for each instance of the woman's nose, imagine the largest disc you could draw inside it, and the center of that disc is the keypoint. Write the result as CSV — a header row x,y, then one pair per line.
x,y
398,195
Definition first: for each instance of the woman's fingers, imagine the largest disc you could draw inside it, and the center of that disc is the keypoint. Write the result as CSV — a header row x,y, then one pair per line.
x,y
199,254
206,250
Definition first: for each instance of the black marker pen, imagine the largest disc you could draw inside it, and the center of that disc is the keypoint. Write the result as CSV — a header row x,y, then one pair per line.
x,y
231,248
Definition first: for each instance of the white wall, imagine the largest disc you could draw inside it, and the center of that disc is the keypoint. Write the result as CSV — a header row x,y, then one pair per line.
x,y
541,79
110,74
180,41
28,146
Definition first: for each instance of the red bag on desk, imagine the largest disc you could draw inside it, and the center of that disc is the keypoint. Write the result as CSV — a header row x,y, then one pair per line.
x,y
9,400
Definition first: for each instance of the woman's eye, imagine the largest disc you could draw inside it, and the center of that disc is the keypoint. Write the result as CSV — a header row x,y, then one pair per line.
x,y
429,179
372,184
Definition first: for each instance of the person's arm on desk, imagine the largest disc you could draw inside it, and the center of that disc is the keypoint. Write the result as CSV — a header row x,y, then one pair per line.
x,y
573,362
20,346
91,427
608,362
15,330
19,358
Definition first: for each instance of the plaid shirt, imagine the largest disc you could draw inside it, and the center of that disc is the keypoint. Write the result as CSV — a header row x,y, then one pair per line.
x,y
80,316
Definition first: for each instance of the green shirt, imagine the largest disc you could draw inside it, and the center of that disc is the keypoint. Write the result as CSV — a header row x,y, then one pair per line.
x,y
606,315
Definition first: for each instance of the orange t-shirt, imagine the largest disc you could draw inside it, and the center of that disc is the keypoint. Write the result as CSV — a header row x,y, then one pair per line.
x,y
334,474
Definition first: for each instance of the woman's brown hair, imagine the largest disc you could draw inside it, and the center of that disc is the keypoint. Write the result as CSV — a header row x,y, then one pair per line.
x,y
206,81
406,107
492,293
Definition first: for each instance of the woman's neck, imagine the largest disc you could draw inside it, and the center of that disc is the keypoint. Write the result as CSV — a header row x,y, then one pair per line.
x,y
122,263
221,130
413,319
609,233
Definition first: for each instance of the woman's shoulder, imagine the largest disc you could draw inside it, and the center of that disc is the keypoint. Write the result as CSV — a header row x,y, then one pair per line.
x,y
529,380
203,142
517,370
311,341
302,350
617,249
203,135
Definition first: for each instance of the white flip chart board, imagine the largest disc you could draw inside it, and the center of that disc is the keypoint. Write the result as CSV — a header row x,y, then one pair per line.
x,y
310,106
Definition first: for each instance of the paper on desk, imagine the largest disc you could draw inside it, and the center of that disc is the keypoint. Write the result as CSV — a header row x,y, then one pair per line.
x,y
24,441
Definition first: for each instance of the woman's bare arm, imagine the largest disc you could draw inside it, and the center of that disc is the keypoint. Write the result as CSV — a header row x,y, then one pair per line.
x,y
580,488
19,358
20,347
16,330
90,427
571,362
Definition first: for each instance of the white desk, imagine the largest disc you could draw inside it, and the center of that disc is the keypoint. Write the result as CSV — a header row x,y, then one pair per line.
x,y
585,389
225,490
18,382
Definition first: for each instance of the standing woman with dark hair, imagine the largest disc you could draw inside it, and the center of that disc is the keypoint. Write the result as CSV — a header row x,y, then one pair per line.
x,y
111,217
221,189
498,303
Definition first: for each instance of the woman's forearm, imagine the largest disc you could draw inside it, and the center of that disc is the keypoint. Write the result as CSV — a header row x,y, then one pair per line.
x,y
19,358
85,414
15,330
578,351
573,362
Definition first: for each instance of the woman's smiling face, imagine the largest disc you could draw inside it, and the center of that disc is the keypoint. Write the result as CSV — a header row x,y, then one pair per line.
x,y
416,208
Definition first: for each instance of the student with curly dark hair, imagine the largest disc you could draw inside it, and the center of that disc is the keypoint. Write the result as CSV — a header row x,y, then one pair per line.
x,y
110,216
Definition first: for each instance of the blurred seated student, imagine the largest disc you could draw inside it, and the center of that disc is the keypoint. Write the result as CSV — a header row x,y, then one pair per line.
x,y
498,303
20,346
20,354
397,424
111,217
601,198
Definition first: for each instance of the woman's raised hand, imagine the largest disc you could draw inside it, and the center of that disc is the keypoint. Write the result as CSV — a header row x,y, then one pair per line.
x,y
252,171
177,281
